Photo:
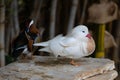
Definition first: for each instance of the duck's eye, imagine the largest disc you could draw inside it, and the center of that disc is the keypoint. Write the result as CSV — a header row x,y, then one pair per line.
x,y
83,31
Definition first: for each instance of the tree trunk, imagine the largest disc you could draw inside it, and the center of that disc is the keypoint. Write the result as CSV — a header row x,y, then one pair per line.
x,y
2,26
36,12
53,18
83,12
12,29
72,15
116,50
15,16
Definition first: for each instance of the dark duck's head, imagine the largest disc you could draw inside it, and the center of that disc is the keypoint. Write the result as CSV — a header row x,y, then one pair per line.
x,y
30,28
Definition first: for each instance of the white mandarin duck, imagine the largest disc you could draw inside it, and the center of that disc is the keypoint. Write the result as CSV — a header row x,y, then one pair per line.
x,y
76,44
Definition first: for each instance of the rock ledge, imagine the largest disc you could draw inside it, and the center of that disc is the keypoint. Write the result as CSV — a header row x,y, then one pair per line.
x,y
48,68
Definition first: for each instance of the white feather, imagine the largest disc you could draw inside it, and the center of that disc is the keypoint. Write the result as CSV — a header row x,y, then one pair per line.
x,y
31,23
25,51
42,44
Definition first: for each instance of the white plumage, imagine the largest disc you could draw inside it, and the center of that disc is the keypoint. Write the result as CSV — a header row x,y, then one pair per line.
x,y
78,43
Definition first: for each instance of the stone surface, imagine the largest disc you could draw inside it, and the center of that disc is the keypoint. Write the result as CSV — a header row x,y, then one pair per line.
x,y
49,68
110,75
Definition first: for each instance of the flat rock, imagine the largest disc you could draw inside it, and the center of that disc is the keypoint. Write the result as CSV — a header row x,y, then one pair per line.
x,y
110,75
49,68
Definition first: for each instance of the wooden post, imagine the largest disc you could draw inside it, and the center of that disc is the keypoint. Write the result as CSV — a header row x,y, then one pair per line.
x,y
100,46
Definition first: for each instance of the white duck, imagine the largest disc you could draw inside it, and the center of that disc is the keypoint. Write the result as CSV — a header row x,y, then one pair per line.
x,y
76,44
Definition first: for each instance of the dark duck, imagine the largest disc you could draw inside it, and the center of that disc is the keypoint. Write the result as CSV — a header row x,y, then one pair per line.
x,y
23,43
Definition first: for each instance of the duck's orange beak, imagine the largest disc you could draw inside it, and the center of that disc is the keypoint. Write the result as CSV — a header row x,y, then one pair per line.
x,y
89,36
